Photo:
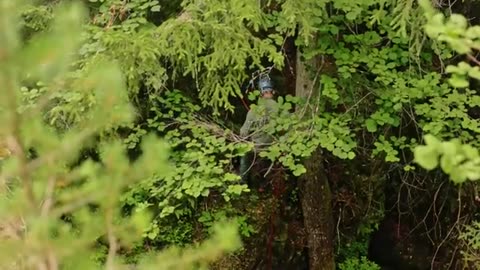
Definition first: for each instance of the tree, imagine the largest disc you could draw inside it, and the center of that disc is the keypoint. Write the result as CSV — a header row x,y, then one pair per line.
x,y
316,196
53,210
375,85
459,160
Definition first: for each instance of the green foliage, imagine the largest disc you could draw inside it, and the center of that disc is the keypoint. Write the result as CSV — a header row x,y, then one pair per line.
x,y
471,238
394,90
297,137
304,14
208,219
177,232
455,32
358,264
354,247
353,251
110,12
460,161
398,95
188,44
381,96
207,155
195,257
217,64
36,18
385,146
389,147
201,161
34,203
459,73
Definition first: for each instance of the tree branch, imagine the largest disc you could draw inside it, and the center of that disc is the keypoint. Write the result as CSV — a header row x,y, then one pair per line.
x,y
112,241
473,59
14,141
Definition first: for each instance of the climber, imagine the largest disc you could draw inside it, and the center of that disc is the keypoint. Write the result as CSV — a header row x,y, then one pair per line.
x,y
258,117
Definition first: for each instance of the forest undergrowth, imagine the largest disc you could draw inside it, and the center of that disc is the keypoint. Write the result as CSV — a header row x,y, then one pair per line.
x,y
120,142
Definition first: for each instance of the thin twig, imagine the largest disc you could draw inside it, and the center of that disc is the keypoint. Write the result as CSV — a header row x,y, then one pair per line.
x,y
451,230
112,241
47,205
473,59
358,102
269,169
52,261
15,141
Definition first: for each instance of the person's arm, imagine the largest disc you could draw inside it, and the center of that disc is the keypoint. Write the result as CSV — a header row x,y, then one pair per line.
x,y
244,131
244,160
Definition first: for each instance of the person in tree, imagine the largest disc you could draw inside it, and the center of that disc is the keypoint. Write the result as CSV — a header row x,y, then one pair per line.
x,y
257,117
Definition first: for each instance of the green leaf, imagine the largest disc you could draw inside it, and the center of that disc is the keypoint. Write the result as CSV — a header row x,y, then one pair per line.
x,y
371,125
474,73
205,192
459,21
454,69
351,15
426,156
50,53
167,211
458,82
432,141
299,170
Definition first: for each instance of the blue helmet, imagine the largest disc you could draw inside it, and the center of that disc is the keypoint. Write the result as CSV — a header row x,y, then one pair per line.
x,y
265,84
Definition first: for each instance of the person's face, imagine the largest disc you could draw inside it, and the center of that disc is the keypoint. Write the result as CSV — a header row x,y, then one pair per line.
x,y
267,94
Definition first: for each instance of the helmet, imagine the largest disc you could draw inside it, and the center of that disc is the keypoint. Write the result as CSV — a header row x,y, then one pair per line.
x,y
265,84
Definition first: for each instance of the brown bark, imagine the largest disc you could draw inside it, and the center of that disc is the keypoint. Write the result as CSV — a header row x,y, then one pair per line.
x,y
317,214
315,193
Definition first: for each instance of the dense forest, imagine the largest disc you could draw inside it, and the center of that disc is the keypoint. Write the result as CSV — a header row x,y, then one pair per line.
x,y
239,134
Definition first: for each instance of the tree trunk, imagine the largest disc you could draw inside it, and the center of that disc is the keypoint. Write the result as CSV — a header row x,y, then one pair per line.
x,y
315,193
317,214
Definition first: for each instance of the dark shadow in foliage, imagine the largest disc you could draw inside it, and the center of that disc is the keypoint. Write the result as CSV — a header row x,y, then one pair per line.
x,y
382,248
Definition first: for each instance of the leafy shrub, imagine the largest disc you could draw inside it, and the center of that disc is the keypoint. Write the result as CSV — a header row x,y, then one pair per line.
x,y
54,211
470,237
358,264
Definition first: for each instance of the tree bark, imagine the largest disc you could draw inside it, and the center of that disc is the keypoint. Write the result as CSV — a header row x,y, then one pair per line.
x,y
315,193
317,214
